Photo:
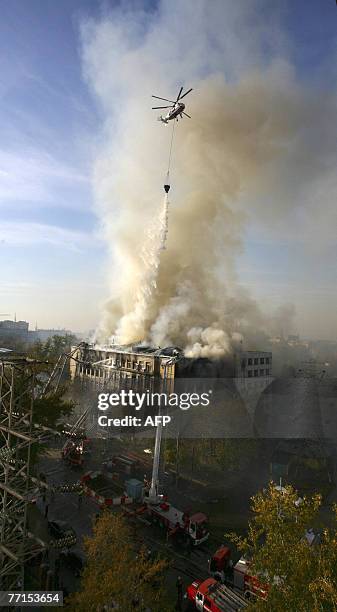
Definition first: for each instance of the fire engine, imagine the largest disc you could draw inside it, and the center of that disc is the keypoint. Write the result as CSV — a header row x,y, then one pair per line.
x,y
194,527
238,575
176,522
212,596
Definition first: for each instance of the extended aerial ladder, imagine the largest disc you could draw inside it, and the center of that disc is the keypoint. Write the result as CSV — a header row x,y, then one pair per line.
x,y
154,489
58,370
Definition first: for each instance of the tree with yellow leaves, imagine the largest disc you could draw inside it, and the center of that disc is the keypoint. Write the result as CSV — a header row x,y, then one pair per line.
x,y
117,572
300,576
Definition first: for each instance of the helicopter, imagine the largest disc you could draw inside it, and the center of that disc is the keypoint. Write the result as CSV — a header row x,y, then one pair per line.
x,y
177,107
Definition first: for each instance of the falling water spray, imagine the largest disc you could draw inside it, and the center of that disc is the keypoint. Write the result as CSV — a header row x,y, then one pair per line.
x,y
150,254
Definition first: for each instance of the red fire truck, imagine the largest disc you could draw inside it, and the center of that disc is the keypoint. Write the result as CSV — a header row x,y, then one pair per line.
x,y
238,575
176,522
212,596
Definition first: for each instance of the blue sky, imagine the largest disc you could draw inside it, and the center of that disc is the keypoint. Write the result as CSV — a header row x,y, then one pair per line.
x,y
52,254
50,247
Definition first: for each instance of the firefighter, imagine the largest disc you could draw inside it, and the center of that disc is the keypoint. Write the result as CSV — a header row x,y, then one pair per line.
x,y
179,585
135,602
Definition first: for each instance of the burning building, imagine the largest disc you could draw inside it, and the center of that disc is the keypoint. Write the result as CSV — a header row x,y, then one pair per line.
x,y
96,361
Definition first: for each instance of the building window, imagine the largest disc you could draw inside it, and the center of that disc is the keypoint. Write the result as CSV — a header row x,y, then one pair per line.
x,y
250,373
267,372
256,361
267,359
262,360
250,362
261,372
256,372
147,367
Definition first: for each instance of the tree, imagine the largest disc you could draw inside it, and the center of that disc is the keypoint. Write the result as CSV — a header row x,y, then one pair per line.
x,y
50,408
52,348
236,453
116,572
230,454
48,411
300,577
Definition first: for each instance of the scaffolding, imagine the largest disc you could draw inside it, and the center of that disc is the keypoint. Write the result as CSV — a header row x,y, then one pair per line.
x,y
17,433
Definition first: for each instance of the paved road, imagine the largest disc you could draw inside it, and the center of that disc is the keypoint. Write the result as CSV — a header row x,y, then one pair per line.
x,y
64,506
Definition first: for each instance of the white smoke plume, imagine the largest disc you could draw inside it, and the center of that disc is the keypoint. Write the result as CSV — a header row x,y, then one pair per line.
x,y
257,147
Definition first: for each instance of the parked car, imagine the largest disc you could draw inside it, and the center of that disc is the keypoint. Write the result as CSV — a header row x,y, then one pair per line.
x,y
60,529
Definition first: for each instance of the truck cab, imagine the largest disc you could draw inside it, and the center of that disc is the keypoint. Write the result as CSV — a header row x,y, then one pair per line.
x,y
198,597
238,576
220,565
198,528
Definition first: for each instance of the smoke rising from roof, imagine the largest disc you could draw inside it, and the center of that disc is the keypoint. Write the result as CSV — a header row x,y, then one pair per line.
x,y
248,152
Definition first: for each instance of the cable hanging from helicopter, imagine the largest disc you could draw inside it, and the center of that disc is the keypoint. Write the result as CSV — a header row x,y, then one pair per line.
x,y
177,109
167,183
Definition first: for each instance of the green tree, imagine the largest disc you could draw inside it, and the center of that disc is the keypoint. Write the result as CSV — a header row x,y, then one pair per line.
x,y
116,572
229,454
50,409
300,577
235,454
51,349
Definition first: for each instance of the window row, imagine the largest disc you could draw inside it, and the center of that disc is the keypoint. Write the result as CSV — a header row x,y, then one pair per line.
x,y
135,365
255,361
252,373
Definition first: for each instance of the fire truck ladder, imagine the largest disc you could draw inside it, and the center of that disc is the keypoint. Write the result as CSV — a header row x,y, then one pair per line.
x,y
227,600
154,489
57,372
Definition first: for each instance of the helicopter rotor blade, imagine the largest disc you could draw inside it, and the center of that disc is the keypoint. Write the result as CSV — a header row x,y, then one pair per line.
x,y
179,94
155,107
186,92
166,100
189,116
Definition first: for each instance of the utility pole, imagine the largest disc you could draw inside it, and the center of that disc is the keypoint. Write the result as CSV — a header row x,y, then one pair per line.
x,y
177,457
